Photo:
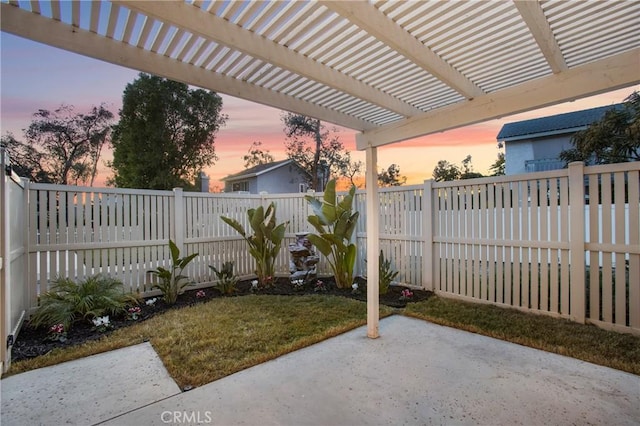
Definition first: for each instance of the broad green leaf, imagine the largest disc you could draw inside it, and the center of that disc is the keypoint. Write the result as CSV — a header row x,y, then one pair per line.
x,y
316,223
175,252
316,206
234,224
353,221
185,261
278,233
321,244
350,259
329,203
256,217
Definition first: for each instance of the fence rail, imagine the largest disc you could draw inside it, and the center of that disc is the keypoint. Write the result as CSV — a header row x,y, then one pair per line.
x,y
563,243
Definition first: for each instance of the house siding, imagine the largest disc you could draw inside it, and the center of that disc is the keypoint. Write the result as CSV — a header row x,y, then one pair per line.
x,y
284,180
517,153
280,180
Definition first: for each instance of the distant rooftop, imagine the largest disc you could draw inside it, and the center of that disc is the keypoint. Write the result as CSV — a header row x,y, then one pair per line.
x,y
555,124
257,170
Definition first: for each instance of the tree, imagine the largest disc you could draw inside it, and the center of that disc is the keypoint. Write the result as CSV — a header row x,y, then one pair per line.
x,y
613,139
467,169
165,135
257,156
61,146
498,167
353,171
445,171
315,149
391,176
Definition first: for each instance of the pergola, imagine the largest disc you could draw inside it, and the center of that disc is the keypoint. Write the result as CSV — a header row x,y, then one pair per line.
x,y
393,70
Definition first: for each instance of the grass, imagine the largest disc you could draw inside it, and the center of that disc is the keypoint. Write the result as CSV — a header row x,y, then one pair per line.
x,y
202,343
564,337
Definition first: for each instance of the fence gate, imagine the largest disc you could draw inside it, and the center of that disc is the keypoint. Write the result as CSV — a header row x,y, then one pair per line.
x,y
13,258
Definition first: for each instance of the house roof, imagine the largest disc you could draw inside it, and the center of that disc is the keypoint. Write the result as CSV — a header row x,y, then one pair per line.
x,y
569,122
258,170
393,70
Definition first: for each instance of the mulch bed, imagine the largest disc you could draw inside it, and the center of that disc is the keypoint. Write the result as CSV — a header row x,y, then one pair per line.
x,y
32,342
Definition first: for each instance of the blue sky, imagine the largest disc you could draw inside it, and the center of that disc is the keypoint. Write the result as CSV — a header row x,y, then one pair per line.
x,y
35,76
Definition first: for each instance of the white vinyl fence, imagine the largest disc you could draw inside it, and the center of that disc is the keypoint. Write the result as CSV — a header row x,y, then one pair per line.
x,y
13,259
563,243
78,232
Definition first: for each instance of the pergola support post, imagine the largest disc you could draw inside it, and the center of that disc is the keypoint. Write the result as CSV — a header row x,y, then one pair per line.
x,y
373,243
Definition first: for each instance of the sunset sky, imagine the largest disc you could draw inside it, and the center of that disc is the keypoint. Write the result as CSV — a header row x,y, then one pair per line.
x,y
35,76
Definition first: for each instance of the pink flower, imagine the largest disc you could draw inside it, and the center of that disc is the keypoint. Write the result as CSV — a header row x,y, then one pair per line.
x,y
201,294
58,328
406,294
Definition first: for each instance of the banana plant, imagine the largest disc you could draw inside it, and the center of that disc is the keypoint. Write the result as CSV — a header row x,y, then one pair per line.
x,y
335,222
264,244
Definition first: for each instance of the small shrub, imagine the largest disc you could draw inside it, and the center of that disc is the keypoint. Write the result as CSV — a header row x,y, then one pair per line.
x,y
386,274
68,302
226,279
172,282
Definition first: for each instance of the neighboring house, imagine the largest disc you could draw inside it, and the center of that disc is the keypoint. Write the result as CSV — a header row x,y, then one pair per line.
x,y
279,177
535,145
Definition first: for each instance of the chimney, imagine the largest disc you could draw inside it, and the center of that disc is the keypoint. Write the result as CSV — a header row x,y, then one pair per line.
x,y
204,182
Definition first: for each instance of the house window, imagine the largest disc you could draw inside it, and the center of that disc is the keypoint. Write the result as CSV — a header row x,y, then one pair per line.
x,y
240,186
303,187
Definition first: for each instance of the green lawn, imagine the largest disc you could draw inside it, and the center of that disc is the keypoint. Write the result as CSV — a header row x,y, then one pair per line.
x,y
208,341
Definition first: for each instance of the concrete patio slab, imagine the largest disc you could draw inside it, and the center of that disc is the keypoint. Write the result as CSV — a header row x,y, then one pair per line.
x,y
86,391
416,373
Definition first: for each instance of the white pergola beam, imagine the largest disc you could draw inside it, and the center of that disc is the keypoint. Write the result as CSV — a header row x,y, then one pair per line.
x,y
533,16
212,27
614,72
55,33
376,23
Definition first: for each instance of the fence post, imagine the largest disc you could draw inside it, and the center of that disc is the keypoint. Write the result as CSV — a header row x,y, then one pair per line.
x,y
179,218
5,261
577,290
427,236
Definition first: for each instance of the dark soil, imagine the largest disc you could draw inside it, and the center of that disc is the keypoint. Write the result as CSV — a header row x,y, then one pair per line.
x,y
33,342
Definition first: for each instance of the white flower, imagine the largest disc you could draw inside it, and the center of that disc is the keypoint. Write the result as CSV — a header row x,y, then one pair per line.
x,y
151,301
254,283
354,286
98,321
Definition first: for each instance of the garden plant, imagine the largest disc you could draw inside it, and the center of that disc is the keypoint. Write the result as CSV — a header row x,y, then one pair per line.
x,y
264,244
335,222
172,282
386,274
67,301
226,280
